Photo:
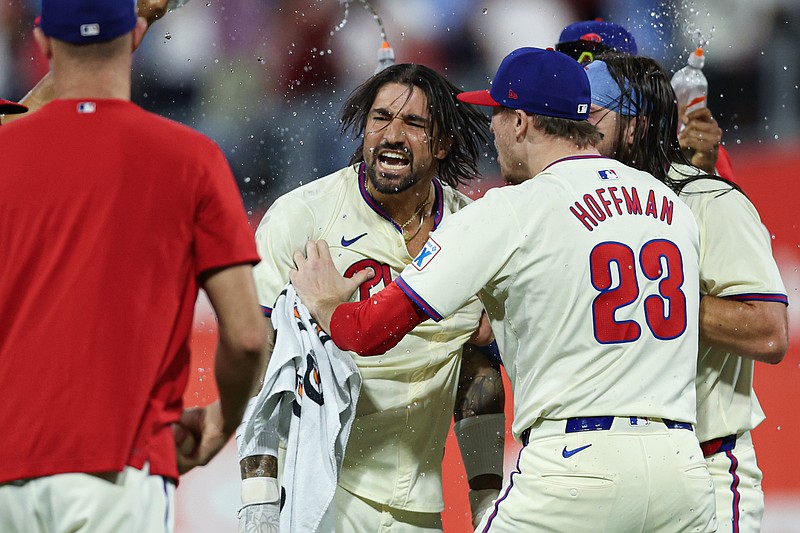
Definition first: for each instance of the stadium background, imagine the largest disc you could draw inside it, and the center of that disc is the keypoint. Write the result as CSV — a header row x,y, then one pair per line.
x,y
265,79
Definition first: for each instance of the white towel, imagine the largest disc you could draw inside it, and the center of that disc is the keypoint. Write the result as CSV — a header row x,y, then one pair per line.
x,y
308,401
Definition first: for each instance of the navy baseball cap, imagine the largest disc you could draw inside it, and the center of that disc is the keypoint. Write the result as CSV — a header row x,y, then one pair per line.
x,y
608,34
8,107
87,21
542,82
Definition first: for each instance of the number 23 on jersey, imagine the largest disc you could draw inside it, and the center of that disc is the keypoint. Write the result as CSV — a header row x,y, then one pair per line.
x,y
614,271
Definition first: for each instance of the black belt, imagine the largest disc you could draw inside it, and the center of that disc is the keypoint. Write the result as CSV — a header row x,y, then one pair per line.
x,y
722,444
603,423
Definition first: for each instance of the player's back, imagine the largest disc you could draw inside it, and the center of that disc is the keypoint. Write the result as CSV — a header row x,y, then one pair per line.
x,y
101,210
589,275
601,291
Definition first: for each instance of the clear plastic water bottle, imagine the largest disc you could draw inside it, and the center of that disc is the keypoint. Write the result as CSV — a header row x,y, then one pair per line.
x,y
385,57
175,4
690,84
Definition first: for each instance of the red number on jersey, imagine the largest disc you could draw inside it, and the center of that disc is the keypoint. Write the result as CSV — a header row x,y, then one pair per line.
x,y
665,312
382,274
606,328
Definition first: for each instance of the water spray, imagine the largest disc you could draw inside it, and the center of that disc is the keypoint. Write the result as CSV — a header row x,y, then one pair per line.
x,y
385,52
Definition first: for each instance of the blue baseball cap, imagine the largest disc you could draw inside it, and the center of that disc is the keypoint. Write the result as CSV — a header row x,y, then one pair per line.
x,y
599,31
542,82
87,21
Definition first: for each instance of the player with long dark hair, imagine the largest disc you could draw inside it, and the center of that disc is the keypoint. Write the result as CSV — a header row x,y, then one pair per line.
x,y
464,125
418,142
743,306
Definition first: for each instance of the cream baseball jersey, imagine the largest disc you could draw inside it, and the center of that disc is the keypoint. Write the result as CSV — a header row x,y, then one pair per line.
x,y
736,263
589,275
394,454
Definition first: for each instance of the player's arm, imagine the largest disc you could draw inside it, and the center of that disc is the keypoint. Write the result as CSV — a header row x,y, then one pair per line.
x,y
284,227
260,494
243,343
700,139
753,329
480,423
368,327
744,311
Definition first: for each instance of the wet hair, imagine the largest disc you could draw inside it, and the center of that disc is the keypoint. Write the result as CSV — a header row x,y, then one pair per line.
x,y
463,126
655,146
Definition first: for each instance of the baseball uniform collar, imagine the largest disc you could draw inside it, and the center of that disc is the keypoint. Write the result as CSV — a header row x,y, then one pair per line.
x,y
370,201
574,157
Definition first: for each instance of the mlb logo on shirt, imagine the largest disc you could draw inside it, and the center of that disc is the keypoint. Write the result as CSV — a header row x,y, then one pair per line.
x,y
607,175
425,255
87,107
639,421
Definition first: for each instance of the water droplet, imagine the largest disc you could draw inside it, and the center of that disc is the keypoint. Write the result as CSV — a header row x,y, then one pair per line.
x,y
485,10
167,36
261,60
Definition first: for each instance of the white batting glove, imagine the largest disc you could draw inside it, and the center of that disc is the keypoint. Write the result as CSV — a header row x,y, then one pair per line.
x,y
261,506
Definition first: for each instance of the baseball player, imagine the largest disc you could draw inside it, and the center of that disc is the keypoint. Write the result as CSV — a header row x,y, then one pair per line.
x,y
587,269
701,136
418,144
743,307
104,254
43,92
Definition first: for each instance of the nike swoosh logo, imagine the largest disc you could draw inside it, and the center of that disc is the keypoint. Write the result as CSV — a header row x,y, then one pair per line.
x,y
348,242
565,453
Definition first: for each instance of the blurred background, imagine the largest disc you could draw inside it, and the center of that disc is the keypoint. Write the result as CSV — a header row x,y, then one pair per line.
x,y
266,78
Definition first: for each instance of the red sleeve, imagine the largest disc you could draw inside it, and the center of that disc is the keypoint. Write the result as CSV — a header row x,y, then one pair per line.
x,y
371,327
222,235
724,166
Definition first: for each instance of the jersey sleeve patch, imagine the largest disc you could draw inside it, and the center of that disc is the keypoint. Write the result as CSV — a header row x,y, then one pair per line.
x,y
426,255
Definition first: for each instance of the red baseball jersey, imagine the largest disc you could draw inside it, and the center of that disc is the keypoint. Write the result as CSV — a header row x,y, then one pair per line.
x,y
109,216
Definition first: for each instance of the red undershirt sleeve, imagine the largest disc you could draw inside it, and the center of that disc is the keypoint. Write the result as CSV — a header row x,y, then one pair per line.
x,y
371,327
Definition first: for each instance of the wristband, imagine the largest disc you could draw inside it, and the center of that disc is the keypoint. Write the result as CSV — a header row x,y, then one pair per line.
x,y
481,439
258,490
